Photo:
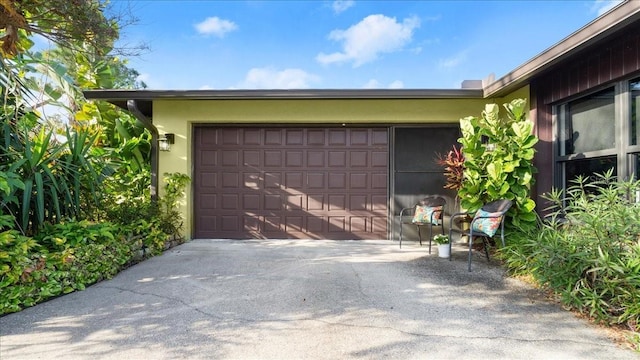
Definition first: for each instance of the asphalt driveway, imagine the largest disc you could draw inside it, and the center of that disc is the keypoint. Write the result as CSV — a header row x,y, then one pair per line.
x,y
304,299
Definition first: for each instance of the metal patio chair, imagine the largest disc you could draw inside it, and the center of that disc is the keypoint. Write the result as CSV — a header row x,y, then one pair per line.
x,y
486,224
427,212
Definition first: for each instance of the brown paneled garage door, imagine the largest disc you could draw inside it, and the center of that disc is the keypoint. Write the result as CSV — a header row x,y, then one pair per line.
x,y
272,183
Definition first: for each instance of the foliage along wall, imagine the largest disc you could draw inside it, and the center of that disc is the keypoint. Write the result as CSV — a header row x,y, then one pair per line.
x,y
499,152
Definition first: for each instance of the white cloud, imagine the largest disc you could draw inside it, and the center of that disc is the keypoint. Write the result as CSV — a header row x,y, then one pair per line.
x,y
454,61
151,82
215,26
602,6
143,77
366,40
396,85
371,84
342,5
205,87
268,78
375,84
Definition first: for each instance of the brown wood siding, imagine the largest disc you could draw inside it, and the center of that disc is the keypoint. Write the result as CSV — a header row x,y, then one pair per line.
x,y
612,59
544,157
329,183
609,60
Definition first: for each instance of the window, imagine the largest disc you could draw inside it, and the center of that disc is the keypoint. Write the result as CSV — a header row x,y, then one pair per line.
x,y
599,132
588,167
581,117
634,90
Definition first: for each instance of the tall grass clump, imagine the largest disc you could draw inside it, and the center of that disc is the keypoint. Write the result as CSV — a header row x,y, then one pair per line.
x,y
587,250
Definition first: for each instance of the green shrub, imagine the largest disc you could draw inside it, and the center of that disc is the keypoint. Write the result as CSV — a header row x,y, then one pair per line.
x,y
46,181
169,217
587,250
19,266
502,168
62,258
128,204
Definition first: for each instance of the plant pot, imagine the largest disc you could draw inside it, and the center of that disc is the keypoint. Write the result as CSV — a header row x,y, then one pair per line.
x,y
443,250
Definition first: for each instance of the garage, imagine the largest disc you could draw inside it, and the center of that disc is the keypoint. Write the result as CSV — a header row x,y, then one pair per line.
x,y
312,164
290,182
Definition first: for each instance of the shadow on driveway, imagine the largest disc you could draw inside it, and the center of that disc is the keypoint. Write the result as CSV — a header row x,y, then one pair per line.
x,y
311,299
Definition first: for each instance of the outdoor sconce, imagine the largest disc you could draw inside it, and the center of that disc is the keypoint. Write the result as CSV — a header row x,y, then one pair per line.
x,y
165,141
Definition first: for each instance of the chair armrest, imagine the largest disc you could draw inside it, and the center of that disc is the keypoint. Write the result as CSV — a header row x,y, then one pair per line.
x,y
455,216
460,214
409,209
439,213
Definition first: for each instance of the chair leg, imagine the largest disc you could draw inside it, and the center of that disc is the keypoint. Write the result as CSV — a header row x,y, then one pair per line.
x,y
419,234
450,240
400,232
430,237
470,249
486,247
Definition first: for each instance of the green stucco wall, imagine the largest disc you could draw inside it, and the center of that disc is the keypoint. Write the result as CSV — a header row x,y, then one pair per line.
x,y
179,117
522,93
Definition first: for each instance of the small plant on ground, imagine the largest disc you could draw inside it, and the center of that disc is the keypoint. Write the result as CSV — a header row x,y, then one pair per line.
x,y
174,189
441,239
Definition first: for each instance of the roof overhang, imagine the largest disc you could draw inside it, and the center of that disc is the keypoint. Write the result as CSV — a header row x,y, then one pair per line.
x,y
145,98
615,19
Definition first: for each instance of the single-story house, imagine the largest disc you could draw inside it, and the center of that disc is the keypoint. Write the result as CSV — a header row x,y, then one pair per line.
x,y
340,164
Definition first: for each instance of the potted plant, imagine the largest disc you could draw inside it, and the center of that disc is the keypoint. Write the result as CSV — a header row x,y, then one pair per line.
x,y
444,246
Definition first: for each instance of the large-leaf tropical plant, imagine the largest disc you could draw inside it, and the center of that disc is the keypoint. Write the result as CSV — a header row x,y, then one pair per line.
x,y
57,180
499,153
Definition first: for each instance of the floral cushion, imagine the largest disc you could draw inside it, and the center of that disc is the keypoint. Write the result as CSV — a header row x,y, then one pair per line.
x,y
486,222
423,214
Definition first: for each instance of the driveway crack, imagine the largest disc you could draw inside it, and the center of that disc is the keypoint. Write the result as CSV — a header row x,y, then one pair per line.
x,y
170,298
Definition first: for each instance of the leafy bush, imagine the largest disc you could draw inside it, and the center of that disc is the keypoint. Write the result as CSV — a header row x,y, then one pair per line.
x,y
62,258
587,250
134,210
174,189
18,262
503,170
47,181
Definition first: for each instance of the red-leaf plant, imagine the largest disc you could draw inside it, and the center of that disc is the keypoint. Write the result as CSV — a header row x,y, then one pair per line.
x,y
453,164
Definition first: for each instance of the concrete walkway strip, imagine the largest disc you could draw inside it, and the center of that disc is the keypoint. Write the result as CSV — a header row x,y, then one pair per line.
x,y
304,299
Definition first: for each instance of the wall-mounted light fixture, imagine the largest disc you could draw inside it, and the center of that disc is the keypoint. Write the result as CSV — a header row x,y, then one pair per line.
x,y
165,141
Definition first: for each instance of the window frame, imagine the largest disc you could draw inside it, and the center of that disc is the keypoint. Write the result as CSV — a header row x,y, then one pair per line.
x,y
627,155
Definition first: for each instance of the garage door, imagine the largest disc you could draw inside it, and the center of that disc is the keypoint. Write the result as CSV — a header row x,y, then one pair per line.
x,y
272,183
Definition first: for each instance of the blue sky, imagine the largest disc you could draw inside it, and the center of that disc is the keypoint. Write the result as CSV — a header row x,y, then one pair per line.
x,y
344,44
